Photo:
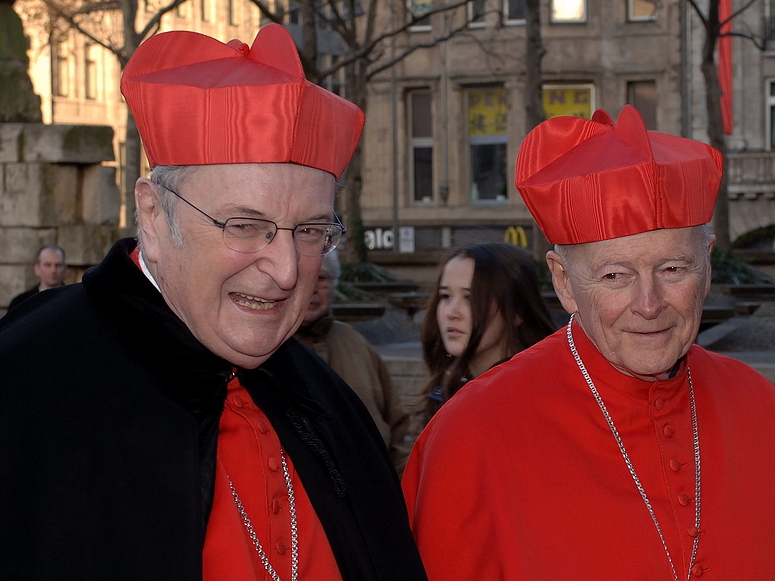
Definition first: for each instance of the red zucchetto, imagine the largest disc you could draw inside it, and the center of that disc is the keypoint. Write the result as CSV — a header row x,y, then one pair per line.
x,y
585,181
198,101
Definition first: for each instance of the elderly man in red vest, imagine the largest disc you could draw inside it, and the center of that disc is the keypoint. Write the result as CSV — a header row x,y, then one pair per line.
x,y
176,430
615,448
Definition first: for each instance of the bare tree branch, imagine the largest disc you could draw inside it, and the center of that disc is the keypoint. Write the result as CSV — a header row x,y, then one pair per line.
x,y
154,23
410,49
276,17
756,39
738,12
70,20
699,13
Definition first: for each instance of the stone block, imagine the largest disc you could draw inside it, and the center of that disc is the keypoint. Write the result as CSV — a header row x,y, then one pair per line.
x,y
100,196
39,194
86,244
67,143
20,245
14,279
10,142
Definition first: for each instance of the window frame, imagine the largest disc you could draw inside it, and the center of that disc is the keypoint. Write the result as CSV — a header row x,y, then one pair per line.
x,y
420,26
495,139
769,103
419,142
91,89
554,20
512,21
482,23
574,85
631,9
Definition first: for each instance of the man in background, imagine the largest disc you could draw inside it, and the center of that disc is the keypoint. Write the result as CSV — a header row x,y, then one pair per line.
x,y
351,356
50,268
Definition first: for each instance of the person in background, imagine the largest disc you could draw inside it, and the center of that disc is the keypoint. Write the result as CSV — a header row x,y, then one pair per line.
x,y
350,355
156,421
616,448
486,307
50,268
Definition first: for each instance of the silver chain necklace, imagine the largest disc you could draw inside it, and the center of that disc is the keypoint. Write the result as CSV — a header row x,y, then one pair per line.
x,y
294,526
615,432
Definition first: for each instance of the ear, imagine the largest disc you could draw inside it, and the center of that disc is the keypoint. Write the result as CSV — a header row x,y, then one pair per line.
x,y
561,281
36,269
150,217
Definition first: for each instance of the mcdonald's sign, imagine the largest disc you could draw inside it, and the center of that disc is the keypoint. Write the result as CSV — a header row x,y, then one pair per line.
x,y
515,235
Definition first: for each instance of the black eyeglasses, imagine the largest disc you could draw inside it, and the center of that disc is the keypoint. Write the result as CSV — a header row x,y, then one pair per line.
x,y
253,234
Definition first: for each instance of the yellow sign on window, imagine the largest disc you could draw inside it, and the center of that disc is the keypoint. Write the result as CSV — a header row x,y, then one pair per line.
x,y
572,101
487,112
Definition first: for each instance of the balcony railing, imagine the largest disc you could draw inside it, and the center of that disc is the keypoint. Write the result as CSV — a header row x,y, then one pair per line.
x,y
751,174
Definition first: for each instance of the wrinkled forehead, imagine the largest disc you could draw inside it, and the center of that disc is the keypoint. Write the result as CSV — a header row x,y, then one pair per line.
x,y
643,249
261,183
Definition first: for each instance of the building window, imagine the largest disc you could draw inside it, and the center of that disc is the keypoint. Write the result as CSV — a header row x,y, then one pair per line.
x,y
488,142
514,11
643,96
232,6
771,112
183,10
569,100
421,117
641,10
61,71
90,71
476,13
416,9
204,10
769,22
569,11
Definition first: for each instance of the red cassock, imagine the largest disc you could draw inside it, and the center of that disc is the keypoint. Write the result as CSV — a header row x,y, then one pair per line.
x,y
229,554
518,477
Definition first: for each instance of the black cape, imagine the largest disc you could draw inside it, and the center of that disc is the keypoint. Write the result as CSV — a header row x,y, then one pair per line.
x,y
109,410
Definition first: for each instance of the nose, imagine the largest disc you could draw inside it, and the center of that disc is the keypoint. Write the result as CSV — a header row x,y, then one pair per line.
x,y
649,301
280,260
453,313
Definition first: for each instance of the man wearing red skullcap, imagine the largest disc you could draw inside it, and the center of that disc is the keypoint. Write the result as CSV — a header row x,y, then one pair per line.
x,y
615,448
179,432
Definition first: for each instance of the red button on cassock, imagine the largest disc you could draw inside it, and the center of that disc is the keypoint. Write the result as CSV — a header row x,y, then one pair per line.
x,y
693,532
659,403
281,548
276,506
273,466
675,464
698,570
668,431
262,427
683,500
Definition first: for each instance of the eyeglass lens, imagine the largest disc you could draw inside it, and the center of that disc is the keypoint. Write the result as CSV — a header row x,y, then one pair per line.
x,y
252,234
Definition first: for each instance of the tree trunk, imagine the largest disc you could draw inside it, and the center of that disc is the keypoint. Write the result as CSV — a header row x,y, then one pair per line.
x,y
716,122
534,102
357,92
309,42
133,150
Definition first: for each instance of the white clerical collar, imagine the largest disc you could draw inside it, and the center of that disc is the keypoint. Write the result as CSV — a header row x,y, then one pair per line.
x,y
147,272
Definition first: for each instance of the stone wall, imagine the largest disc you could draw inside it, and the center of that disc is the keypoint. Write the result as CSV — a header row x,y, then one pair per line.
x,y
54,190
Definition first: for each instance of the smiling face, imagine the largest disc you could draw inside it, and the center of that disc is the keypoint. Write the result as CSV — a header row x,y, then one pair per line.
x,y
241,306
453,315
638,298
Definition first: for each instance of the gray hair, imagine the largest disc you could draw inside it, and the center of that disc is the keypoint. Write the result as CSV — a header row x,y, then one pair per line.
x,y
172,176
705,233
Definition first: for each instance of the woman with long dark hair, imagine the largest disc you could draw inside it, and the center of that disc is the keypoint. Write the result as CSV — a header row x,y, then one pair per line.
x,y
486,307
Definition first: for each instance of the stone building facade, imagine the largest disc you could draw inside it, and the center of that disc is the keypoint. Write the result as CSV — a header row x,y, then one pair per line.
x,y
444,126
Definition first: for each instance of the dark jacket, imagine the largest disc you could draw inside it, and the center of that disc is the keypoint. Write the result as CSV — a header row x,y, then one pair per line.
x,y
20,298
109,411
